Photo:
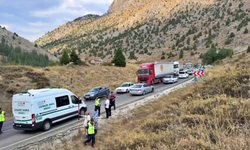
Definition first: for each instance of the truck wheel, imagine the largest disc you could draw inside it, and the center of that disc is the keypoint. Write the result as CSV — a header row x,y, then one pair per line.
x,y
46,125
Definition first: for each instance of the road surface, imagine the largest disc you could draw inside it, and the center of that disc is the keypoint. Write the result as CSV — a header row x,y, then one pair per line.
x,y
11,138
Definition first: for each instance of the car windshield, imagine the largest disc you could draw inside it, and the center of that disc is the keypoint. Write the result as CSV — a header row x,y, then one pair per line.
x,y
125,85
143,72
137,86
168,76
94,90
182,72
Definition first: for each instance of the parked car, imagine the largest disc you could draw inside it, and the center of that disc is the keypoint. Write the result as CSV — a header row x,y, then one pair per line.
x,y
124,87
170,79
183,74
97,91
141,89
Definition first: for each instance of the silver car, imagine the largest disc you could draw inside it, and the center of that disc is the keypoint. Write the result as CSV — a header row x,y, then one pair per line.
x,y
141,89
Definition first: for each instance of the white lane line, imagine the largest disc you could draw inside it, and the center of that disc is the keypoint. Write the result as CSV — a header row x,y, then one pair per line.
x,y
8,130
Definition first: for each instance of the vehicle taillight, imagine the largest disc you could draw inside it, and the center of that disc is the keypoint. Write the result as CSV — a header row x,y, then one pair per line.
x,y
33,117
139,90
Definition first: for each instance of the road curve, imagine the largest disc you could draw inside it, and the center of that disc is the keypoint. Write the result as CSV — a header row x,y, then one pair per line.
x,y
11,138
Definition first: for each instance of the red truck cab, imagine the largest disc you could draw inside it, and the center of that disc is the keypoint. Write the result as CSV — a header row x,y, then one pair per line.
x,y
146,74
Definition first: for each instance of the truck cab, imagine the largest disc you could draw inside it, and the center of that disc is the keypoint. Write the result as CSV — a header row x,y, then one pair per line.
x,y
146,73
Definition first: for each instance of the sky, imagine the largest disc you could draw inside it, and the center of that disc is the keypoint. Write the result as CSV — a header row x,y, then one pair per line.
x,y
33,18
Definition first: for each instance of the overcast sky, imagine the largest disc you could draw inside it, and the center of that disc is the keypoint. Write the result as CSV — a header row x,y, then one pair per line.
x,y
33,18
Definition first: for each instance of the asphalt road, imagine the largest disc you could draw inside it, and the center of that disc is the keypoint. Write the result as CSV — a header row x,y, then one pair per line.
x,y
11,138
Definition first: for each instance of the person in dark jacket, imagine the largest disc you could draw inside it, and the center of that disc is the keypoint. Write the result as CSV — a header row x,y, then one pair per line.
x,y
112,100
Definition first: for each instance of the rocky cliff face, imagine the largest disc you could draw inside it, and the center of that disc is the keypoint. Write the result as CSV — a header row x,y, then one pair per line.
x,y
154,30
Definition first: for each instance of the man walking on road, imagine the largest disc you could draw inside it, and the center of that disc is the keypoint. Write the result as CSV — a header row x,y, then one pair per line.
x,y
98,105
107,107
90,133
2,119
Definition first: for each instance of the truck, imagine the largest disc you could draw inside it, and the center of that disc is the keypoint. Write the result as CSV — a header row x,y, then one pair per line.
x,y
189,68
152,73
40,108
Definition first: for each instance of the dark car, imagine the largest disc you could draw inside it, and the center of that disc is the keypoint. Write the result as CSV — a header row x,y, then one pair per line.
x,y
97,91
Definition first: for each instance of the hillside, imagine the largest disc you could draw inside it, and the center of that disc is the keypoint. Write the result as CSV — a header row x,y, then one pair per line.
x,y
154,30
210,115
78,79
13,42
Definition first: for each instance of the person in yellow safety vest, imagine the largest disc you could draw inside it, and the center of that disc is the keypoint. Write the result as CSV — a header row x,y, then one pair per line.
x,y
90,132
98,105
2,119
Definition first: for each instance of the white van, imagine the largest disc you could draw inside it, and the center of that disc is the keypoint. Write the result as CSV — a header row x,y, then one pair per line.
x,y
39,109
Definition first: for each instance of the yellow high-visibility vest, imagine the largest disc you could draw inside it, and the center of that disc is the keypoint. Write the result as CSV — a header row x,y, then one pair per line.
x,y
91,129
97,102
2,117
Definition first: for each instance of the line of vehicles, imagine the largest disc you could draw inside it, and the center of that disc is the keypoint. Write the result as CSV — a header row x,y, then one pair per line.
x,y
40,108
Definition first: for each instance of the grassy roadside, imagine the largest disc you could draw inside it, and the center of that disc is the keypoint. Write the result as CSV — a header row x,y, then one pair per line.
x,y
75,78
213,114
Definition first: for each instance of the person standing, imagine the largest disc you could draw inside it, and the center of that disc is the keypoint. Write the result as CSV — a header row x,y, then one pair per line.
x,y
95,118
2,119
98,105
195,79
107,107
112,100
90,132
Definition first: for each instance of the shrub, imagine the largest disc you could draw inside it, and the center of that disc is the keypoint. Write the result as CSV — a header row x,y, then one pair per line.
x,y
52,63
246,31
248,49
163,57
64,60
181,54
232,35
228,41
211,55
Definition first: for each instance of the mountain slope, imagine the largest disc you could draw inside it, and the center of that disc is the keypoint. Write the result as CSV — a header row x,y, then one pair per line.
x,y
154,30
14,40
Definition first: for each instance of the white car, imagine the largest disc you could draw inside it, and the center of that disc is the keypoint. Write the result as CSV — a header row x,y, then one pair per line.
x,y
183,74
170,79
124,87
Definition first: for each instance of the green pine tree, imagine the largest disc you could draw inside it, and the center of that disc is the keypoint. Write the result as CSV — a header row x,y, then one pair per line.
x,y
64,60
74,58
119,59
246,31
181,54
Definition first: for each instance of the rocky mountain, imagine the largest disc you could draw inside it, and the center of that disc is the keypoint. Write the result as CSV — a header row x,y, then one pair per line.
x,y
14,40
153,30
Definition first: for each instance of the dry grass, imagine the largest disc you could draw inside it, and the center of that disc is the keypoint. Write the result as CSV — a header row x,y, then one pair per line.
x,y
75,78
213,114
